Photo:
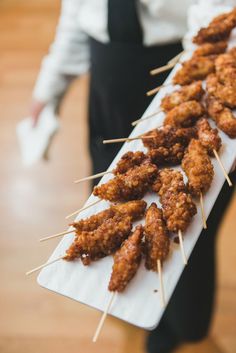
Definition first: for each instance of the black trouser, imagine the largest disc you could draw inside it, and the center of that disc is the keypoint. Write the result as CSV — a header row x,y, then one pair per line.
x,y
119,80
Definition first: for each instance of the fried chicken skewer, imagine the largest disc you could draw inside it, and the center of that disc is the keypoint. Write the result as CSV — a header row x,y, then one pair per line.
x,y
211,140
131,185
166,146
157,243
127,161
177,204
103,241
199,170
222,116
126,262
134,209
219,29
183,115
194,91
206,49
194,69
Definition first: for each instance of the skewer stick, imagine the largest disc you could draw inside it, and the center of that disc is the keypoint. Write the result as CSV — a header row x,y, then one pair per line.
x,y
146,117
155,90
163,302
57,235
176,58
182,247
162,69
222,167
44,265
91,177
127,139
203,212
103,318
82,209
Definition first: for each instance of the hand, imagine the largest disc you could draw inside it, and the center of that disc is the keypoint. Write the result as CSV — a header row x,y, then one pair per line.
x,y
36,108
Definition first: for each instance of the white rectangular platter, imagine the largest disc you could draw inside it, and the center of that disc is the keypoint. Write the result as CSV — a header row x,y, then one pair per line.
x,y
139,304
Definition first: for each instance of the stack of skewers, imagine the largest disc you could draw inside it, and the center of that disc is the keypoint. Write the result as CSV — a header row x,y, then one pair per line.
x,y
186,139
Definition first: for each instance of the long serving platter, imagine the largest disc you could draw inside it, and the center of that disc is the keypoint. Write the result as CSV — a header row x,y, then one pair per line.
x,y
140,303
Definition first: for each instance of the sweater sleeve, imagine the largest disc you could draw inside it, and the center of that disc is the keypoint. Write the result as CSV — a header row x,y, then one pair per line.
x,y
68,56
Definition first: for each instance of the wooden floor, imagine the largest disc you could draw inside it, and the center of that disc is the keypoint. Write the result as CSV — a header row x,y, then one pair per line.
x,y
34,202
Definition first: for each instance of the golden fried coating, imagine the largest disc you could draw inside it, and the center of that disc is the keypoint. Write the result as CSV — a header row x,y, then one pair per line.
x,y
130,160
157,242
126,261
168,180
194,91
198,168
178,210
226,69
219,29
223,116
107,238
167,155
184,115
178,206
225,94
208,136
211,49
93,222
167,136
129,186
197,68
134,209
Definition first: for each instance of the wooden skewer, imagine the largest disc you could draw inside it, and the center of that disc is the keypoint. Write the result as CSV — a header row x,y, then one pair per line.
x,y
82,209
222,167
95,176
146,117
103,318
57,235
127,139
182,247
162,69
163,302
176,58
170,64
44,265
155,90
203,212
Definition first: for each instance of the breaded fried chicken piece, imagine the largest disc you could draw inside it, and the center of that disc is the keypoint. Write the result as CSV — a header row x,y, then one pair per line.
x,y
103,241
211,48
126,261
198,168
129,186
225,94
178,206
168,136
130,160
184,115
223,116
167,155
157,242
134,209
226,69
219,29
194,91
197,68
208,136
